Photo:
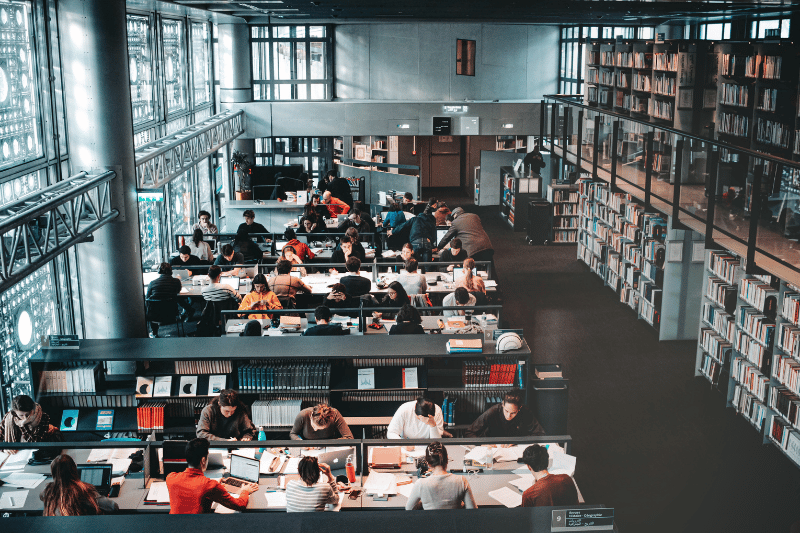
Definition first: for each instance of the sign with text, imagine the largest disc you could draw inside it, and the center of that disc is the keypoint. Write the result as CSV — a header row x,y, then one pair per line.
x,y
442,125
569,520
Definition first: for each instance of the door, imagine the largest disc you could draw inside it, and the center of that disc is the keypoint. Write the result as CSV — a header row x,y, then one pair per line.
x,y
445,161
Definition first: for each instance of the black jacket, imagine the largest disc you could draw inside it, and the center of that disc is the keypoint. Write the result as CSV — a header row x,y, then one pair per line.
x,y
340,188
325,329
406,328
356,285
493,423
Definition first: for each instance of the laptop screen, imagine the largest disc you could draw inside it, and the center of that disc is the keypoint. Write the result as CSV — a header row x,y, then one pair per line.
x,y
440,233
96,475
244,468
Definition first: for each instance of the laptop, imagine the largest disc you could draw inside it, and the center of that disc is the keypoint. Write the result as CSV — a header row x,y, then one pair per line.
x,y
340,218
441,231
280,244
243,470
336,458
98,475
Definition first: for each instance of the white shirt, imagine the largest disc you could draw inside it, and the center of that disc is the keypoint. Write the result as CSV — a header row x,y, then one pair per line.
x,y
406,425
202,251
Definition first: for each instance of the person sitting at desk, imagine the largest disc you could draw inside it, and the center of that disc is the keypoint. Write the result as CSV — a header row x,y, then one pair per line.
x,y
395,297
67,495
251,226
417,419
394,217
320,422
334,205
289,253
508,419
185,259
355,284
225,418
322,315
419,231
549,489
454,253
358,248
216,291
200,248
440,490
251,329
338,187
285,286
250,251
343,252
338,298
408,321
229,257
164,287
204,223
358,220
320,210
301,249
191,492
472,282
306,494
460,297
311,225
260,298
27,422
411,280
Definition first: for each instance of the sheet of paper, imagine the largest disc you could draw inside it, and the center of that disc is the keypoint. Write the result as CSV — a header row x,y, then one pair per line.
x,y
246,452
291,465
507,497
13,499
266,461
158,492
221,509
276,499
523,483
23,479
379,483
119,480
405,490
504,455
479,453
123,453
563,463
236,328
120,466
99,455
18,461
410,378
489,283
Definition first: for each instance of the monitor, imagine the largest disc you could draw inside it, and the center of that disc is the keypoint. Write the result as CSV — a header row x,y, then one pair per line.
x,y
97,475
245,468
441,231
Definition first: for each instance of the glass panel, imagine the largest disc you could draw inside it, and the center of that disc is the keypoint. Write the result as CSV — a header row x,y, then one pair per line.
x,y
318,62
727,31
646,33
15,189
785,23
281,32
175,67
302,91
754,29
282,55
694,173
283,91
177,124
300,55
140,57
202,115
594,32
316,31
299,32
261,70
204,189
142,138
318,91
181,211
201,63
765,25
151,232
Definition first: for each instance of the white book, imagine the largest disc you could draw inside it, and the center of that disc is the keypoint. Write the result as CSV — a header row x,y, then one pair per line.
x,y
216,383
162,386
366,378
188,386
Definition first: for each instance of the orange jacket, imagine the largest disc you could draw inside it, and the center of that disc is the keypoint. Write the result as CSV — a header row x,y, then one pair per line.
x,y
253,296
337,207
191,492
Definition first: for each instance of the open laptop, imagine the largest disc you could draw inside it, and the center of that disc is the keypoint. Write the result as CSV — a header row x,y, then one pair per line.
x,y
340,218
98,475
440,233
243,470
336,458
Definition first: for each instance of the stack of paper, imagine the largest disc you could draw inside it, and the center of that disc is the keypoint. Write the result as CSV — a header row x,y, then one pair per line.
x,y
267,461
507,497
13,499
23,480
17,461
380,483
158,492
524,482
291,465
562,463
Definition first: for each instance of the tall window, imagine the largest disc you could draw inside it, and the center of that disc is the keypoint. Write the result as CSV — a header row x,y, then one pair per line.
x,y
718,31
291,62
311,152
140,57
175,70
770,29
201,63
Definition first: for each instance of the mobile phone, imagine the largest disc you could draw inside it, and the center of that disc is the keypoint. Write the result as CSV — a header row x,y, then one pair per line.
x,y
354,494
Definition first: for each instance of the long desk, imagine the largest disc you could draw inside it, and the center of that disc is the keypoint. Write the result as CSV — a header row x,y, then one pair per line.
x,y
271,213
234,326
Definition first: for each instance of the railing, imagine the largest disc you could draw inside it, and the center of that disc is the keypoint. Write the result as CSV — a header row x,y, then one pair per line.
x,y
45,223
742,200
164,159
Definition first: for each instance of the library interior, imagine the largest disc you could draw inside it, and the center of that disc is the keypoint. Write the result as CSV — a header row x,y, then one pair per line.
x,y
623,354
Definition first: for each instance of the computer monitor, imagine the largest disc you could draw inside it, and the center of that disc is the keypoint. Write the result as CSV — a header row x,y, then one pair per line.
x,y
440,233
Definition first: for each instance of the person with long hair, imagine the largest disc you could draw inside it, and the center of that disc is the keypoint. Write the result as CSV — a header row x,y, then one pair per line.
x,y
408,321
289,253
27,422
440,490
200,248
320,422
309,493
260,298
396,296
471,282
67,495
226,418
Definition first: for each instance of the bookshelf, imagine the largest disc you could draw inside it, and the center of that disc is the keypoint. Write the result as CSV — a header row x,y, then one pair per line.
x,y
372,148
309,371
511,143
517,190
564,199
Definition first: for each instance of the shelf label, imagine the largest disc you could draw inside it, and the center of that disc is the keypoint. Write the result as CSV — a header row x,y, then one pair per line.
x,y
582,520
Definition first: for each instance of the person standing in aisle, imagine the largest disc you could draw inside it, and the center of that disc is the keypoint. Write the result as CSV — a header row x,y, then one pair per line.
x,y
309,493
440,490
417,419
320,422
507,419
468,228
226,418
548,489
534,160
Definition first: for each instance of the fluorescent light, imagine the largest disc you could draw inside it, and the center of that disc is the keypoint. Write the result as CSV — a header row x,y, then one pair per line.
x,y
508,125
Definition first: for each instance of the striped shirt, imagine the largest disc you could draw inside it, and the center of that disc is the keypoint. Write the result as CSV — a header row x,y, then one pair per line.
x,y
219,292
301,498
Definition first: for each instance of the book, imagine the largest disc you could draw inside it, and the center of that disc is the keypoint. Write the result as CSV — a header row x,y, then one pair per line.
x,y
547,371
105,420
366,378
162,386
290,322
144,386
410,378
464,345
188,386
217,383
69,420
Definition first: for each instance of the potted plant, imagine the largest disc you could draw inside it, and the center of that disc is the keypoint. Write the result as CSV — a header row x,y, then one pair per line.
x,y
243,169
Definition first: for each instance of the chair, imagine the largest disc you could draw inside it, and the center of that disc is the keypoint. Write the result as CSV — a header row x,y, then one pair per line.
x,y
163,312
211,323
419,301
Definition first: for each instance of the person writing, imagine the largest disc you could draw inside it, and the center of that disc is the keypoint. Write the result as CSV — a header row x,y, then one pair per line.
x,y
355,284
309,493
440,490
417,419
67,495
454,253
260,298
289,253
458,298
507,419
229,257
204,223
226,418
408,322
322,315
358,220
191,492
548,489
27,422
320,422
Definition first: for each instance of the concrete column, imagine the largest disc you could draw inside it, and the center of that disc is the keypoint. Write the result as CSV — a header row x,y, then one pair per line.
x,y
98,104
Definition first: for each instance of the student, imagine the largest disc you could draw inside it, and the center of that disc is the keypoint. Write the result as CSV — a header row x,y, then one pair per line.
x,y
307,493
460,297
507,419
204,224
454,253
251,329
408,322
396,296
289,253
260,298
185,259
355,284
343,252
216,291
334,205
285,286
407,252
549,489
394,217
320,422
468,227
440,490
358,220
225,418
419,231
229,257
441,213
322,315
200,248
244,245
411,280
164,287
250,225
27,422
358,248
67,495
301,249
191,492
417,419
471,282
408,203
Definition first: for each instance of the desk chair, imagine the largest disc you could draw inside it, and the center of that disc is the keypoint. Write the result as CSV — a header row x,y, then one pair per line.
x,y
162,313
211,323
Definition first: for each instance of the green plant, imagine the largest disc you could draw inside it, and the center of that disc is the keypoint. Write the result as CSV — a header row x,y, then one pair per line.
x,y
242,167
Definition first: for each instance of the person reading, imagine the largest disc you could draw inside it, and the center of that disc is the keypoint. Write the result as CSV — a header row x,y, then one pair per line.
x,y
454,253
185,259
408,321
27,422
301,249
191,492
417,419
458,298
355,284
289,253
216,291
67,495
507,419
411,280
260,298
548,489
320,422
440,490
226,418
309,493
395,297
229,257
323,315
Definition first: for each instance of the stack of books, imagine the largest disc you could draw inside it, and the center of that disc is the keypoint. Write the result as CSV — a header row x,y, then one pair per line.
x,y
465,346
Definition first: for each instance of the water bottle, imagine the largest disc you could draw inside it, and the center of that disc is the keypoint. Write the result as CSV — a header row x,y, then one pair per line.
x,y
262,436
350,468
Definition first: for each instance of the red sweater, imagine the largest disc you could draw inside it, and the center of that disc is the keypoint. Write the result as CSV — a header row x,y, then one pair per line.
x,y
301,249
191,492
553,489
337,207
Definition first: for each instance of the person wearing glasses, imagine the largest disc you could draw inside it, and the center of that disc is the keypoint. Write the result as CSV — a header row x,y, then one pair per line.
x,y
511,418
204,223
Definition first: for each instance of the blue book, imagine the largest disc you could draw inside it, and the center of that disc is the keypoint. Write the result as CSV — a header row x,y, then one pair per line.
x,y
69,420
105,419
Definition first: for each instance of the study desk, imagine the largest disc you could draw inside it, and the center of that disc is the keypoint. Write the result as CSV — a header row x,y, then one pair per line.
x,y
271,213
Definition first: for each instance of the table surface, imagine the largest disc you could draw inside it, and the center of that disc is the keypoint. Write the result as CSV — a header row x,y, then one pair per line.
x,y
428,323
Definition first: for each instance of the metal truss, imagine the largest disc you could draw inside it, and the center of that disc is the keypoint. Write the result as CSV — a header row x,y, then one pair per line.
x,y
45,223
162,160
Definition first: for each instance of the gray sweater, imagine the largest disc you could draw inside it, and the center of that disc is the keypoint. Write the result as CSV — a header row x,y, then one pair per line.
x,y
468,228
214,425
441,492
302,427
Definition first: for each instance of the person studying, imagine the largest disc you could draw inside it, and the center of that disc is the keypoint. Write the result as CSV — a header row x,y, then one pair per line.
x,y
260,298
225,418
27,422
67,495
309,493
507,419
548,489
323,315
418,419
320,422
440,490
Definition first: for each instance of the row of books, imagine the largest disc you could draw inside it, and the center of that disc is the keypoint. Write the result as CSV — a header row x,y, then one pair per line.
x,y
499,372
786,369
720,321
162,386
733,124
564,236
623,101
786,403
68,379
650,313
773,133
380,396
369,362
640,105
734,95
150,415
565,209
711,368
641,82
788,338
750,377
748,347
782,433
607,59
725,266
772,67
732,65
715,345
275,413
665,61
748,406
115,400
203,367
721,293
790,308
767,99
606,77
467,406
642,60
663,85
756,325
280,376
757,293
624,59
592,76
622,80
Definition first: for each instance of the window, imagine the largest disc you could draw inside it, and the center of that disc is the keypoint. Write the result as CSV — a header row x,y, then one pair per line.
x,y
175,69
311,152
465,57
291,63
201,64
140,57
715,32
770,29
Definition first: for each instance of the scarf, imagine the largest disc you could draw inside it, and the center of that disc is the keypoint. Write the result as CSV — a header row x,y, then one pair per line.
x,y
22,429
